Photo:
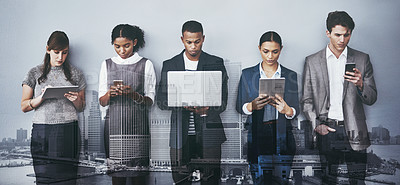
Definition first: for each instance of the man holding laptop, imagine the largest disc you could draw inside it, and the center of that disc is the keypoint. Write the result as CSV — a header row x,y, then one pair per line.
x,y
187,122
333,98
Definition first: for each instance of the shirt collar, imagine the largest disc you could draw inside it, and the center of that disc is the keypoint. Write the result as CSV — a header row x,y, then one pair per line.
x,y
329,52
131,60
185,58
277,73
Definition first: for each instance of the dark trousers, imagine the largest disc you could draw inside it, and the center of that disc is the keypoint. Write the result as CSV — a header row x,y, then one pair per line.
x,y
55,152
192,149
181,157
342,160
263,141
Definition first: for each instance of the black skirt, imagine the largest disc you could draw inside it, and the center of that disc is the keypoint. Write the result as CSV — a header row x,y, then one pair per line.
x,y
55,152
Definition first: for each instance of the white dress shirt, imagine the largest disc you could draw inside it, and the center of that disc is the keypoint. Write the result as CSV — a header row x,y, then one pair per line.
x,y
277,74
149,81
336,69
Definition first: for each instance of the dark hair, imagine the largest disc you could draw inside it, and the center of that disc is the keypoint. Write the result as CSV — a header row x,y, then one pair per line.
x,y
339,18
58,40
130,32
271,36
192,27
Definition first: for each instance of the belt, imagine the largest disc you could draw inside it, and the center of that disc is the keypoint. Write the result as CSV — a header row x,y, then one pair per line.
x,y
335,122
269,122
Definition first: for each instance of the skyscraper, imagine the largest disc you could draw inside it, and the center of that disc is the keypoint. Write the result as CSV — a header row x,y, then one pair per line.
x,y
93,121
21,135
90,124
232,148
159,132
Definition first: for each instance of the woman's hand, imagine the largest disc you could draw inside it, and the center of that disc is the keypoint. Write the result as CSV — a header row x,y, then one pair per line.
x,y
120,90
77,98
125,90
258,103
71,96
43,90
280,105
114,91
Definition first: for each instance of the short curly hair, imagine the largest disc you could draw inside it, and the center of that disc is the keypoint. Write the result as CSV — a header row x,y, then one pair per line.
x,y
130,32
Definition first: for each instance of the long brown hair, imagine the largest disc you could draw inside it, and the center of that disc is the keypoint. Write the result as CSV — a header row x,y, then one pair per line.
x,y
58,40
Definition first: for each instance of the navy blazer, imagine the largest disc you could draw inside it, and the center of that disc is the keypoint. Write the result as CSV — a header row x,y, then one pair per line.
x,y
248,91
180,116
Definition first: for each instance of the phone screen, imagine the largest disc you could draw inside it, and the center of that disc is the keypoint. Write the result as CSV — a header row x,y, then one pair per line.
x,y
118,82
350,66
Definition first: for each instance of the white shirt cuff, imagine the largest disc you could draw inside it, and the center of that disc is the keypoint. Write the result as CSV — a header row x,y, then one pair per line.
x,y
294,114
244,108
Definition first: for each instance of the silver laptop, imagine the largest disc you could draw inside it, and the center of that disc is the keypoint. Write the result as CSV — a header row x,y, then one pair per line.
x,y
194,88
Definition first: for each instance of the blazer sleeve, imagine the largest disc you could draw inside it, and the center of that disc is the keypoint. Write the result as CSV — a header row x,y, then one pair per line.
x,y
221,67
369,94
307,99
293,92
162,89
242,94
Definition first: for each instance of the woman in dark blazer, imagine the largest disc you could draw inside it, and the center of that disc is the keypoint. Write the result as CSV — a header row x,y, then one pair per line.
x,y
270,116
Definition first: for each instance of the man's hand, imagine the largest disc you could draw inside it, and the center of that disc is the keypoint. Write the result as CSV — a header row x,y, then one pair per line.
x,y
355,78
323,129
202,111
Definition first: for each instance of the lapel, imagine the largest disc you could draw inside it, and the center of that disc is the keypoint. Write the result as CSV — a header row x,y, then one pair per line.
x,y
180,63
350,59
323,67
283,72
202,61
256,73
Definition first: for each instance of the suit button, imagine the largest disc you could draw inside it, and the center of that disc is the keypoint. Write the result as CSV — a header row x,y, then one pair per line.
x,y
365,96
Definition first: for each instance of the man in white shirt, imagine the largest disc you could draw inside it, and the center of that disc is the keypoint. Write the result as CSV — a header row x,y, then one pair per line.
x,y
333,100
188,123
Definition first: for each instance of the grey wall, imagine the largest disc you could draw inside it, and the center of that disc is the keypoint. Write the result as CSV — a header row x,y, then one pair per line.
x,y
232,30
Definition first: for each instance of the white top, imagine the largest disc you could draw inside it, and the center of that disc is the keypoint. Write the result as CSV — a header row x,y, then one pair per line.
x,y
190,65
277,74
336,69
149,81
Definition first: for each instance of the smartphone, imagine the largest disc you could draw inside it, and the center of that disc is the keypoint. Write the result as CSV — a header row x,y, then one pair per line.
x,y
118,82
350,67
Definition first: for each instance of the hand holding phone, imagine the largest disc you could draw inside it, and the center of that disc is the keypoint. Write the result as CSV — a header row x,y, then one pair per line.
x,y
353,75
349,68
115,89
118,83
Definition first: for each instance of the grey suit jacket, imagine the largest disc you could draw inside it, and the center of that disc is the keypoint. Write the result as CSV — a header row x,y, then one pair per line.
x,y
315,100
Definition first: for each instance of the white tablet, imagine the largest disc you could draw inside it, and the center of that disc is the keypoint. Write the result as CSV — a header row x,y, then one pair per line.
x,y
194,88
59,91
272,86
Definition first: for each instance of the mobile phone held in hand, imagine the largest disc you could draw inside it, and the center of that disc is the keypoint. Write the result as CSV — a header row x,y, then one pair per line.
x,y
118,82
350,67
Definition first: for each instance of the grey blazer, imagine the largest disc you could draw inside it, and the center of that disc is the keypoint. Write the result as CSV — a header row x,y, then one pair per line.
x,y
315,100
